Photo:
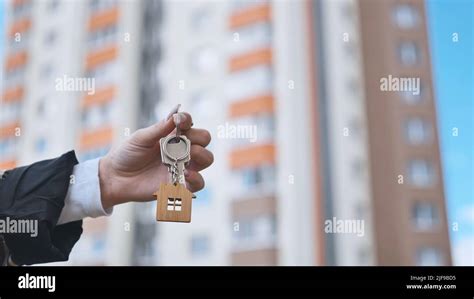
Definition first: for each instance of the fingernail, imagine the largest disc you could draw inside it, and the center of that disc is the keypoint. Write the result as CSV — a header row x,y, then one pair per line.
x,y
173,111
186,173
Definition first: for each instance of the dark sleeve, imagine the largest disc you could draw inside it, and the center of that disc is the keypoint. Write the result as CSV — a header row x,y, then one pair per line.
x,y
33,197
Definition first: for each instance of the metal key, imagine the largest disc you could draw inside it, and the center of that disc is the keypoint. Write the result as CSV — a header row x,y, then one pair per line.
x,y
176,154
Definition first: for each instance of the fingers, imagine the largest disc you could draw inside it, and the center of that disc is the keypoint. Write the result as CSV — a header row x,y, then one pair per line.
x,y
201,158
194,179
199,136
151,135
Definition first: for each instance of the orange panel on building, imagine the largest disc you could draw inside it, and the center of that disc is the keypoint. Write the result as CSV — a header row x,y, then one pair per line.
x,y
9,130
96,138
20,26
103,19
15,60
253,105
8,164
99,97
258,13
101,56
257,57
13,94
253,156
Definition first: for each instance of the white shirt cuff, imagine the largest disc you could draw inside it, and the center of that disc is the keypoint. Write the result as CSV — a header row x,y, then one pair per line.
x,y
83,196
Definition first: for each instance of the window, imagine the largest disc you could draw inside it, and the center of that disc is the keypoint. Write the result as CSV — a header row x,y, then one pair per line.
x,y
14,77
251,181
253,176
360,210
421,173
246,229
201,102
252,129
40,108
353,86
102,37
409,53
199,245
93,4
405,16
417,131
104,74
429,256
425,215
347,10
355,127
21,9
19,42
98,244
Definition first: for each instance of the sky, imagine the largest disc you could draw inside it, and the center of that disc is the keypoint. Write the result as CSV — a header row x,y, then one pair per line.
x,y
453,67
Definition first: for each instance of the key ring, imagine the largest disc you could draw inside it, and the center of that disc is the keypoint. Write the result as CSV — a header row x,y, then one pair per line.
x,y
188,147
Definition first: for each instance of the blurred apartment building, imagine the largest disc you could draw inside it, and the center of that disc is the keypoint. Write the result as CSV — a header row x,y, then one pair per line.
x,y
305,74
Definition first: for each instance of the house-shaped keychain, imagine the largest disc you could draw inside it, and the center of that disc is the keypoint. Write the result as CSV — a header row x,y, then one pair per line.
x,y
174,203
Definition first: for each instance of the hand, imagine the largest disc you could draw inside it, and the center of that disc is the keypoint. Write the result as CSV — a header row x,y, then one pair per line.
x,y
133,171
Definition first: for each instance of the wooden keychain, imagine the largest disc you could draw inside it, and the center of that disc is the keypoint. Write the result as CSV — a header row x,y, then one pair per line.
x,y
174,200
